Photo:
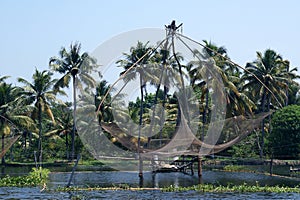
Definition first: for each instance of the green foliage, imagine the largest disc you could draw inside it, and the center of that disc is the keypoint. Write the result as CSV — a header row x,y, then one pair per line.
x,y
37,177
242,91
234,188
284,140
200,188
235,168
244,149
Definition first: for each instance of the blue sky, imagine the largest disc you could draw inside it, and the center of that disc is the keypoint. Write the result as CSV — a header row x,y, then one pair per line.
x,y
32,31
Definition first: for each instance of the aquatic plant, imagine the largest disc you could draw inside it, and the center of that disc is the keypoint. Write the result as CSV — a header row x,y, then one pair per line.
x,y
235,168
244,188
37,177
234,188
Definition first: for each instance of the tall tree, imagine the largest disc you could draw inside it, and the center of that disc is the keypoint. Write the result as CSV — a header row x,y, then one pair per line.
x,y
293,86
76,66
105,112
39,93
270,69
165,68
238,102
64,123
200,77
135,63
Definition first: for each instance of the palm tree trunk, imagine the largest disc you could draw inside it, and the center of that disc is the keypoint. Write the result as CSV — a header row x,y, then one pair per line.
x,y
268,109
74,119
140,128
263,126
157,91
40,133
204,116
67,147
25,139
3,157
154,106
162,117
287,89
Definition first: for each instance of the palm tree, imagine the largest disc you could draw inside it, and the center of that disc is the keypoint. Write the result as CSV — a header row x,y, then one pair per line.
x,y
220,56
166,69
139,57
105,113
270,69
39,93
64,124
2,79
77,67
293,86
11,115
237,102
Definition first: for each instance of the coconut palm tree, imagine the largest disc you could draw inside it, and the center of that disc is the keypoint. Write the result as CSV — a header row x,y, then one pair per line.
x,y
77,67
40,94
105,112
220,56
165,67
11,115
293,86
270,68
237,102
138,57
134,58
64,123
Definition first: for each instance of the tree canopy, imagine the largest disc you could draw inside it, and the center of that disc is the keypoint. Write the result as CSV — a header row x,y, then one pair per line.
x,y
284,140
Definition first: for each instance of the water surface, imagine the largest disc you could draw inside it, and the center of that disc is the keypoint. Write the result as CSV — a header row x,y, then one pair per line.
x,y
107,179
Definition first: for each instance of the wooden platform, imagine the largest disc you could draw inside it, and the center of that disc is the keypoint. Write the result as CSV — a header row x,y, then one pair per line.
x,y
184,164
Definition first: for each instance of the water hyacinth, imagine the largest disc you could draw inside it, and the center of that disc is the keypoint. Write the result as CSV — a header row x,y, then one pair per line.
x,y
234,188
37,177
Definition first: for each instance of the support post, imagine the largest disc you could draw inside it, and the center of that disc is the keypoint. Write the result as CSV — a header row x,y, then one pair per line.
x,y
199,167
73,170
140,167
192,167
271,165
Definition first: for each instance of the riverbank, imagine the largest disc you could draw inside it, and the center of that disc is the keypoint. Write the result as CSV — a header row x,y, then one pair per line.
x,y
63,165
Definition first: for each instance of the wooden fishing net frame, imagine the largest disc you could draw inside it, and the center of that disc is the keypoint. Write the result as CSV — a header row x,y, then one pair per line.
x,y
184,137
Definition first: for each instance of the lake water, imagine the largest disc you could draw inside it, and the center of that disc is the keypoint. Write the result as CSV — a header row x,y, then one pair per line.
x,y
106,179
34,193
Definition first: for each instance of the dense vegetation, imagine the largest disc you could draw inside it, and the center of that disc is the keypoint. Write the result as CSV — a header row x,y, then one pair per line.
x,y
284,142
37,177
47,126
203,188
